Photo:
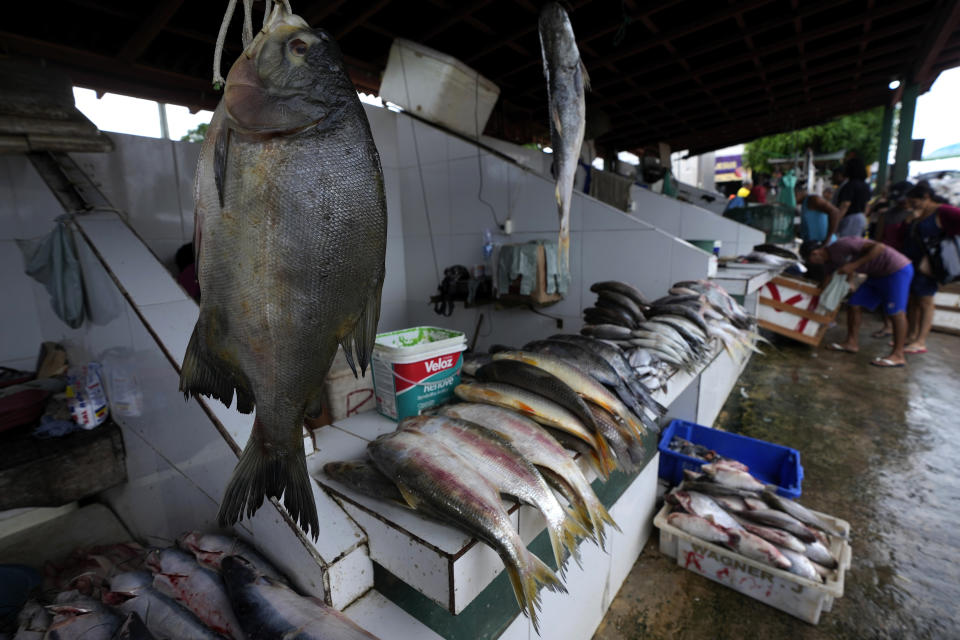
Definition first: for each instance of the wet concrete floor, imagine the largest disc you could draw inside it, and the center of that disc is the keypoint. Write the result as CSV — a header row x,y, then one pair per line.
x,y
879,449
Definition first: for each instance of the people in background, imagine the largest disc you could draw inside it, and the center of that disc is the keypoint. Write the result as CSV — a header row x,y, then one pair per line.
x,y
931,219
852,200
818,217
759,193
187,267
888,272
888,214
740,199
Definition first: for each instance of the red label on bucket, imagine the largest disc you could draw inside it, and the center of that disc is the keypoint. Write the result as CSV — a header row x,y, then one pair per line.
x,y
407,375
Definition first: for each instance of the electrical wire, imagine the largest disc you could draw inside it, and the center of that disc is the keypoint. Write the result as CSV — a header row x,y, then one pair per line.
x,y
423,186
476,129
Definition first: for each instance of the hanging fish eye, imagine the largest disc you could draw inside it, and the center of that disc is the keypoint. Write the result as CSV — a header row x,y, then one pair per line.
x,y
298,47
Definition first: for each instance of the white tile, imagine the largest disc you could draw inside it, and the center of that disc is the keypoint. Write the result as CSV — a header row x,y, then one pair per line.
x,y
393,316
422,275
414,136
186,155
638,257
458,148
32,203
395,276
418,565
415,215
22,332
473,572
141,275
535,206
366,426
472,210
383,126
687,263
384,619
173,324
598,216
350,577
391,183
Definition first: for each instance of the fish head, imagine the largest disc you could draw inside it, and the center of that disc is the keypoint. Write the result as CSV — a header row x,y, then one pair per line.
x,y
238,572
289,78
131,582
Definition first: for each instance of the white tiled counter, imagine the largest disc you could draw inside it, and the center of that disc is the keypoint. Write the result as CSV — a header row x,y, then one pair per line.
x,y
455,585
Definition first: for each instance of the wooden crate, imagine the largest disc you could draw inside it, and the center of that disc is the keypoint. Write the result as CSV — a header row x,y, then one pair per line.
x,y
788,307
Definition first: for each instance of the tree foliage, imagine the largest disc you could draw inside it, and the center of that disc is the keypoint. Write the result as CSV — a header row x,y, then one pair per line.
x,y
197,134
858,132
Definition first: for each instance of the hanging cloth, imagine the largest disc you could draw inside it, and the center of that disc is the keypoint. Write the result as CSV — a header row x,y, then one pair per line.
x,y
786,195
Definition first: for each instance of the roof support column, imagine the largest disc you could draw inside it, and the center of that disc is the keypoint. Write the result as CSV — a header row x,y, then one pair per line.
x,y
885,132
908,108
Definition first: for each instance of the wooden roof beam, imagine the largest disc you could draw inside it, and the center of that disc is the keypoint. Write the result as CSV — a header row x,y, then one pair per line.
x,y
826,30
323,10
462,13
715,68
941,28
360,19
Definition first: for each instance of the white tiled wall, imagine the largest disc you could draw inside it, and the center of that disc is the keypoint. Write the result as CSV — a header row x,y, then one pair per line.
x,y
605,243
693,223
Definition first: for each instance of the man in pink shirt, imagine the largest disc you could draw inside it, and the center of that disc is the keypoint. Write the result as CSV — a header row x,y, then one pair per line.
x,y
888,272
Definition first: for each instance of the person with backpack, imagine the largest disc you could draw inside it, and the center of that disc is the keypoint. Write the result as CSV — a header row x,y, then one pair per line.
x,y
932,220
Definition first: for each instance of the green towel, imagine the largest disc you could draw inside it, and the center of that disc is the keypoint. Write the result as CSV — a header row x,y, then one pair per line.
x,y
520,261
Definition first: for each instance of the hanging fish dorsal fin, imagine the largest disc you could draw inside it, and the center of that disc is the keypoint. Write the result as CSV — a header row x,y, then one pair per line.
x,y
556,120
585,75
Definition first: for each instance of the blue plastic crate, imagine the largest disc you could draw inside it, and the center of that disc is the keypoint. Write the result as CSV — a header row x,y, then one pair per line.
x,y
769,463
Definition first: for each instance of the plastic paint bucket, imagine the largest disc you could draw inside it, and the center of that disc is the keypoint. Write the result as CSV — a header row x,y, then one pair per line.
x,y
416,369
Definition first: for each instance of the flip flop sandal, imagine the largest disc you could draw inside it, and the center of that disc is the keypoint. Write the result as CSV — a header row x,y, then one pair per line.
x,y
923,350
836,346
883,363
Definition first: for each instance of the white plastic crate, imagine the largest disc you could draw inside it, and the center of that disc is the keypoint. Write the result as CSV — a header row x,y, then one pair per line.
x,y
438,88
800,597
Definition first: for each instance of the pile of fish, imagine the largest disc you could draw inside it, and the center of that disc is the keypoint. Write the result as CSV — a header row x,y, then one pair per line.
x,y
694,450
526,414
210,587
673,332
776,257
455,466
726,505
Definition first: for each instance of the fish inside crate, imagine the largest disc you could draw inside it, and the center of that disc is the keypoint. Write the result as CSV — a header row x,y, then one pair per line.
x,y
798,596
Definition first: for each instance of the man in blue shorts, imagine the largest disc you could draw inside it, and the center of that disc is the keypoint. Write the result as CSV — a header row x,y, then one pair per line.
x,y
888,272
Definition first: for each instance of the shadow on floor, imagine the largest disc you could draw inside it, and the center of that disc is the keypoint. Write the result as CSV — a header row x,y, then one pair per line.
x,y
880,448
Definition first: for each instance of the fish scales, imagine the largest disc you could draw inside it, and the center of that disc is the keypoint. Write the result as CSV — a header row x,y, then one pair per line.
x,y
543,450
428,472
269,610
506,468
540,409
290,241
